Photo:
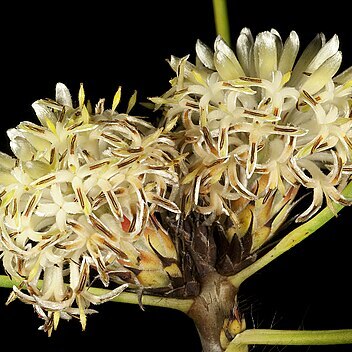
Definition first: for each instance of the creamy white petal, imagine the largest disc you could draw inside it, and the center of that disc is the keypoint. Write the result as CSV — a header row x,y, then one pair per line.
x,y
55,192
22,149
105,297
6,179
205,55
47,209
174,62
314,207
225,61
289,53
327,51
344,76
43,112
265,54
323,74
6,161
61,217
63,95
36,169
307,56
71,207
278,41
244,50
13,133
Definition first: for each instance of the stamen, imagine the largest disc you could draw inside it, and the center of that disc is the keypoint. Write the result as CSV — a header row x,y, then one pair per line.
x,y
75,125
135,150
222,138
62,156
116,250
52,156
34,128
14,207
309,97
251,79
100,226
209,140
30,205
110,137
255,113
192,105
72,144
316,144
45,180
98,165
126,162
62,114
286,129
114,203
348,141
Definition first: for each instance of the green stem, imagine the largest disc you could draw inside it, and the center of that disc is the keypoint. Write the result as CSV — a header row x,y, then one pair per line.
x,y
290,240
290,337
182,305
6,282
221,19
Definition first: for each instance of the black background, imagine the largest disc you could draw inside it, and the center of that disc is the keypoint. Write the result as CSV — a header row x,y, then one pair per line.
x,y
108,44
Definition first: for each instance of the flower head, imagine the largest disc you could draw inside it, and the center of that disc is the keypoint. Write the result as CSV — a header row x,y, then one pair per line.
x,y
258,125
79,200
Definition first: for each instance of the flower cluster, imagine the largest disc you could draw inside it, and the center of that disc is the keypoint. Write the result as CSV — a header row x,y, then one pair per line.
x,y
258,125
79,202
89,190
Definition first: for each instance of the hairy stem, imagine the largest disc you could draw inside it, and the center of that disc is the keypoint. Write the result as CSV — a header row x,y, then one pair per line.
x,y
290,240
221,19
182,305
290,337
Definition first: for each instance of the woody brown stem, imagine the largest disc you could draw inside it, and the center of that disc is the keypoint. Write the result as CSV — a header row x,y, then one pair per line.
x,y
210,308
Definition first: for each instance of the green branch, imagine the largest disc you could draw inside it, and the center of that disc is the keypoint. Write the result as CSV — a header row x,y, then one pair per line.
x,y
290,240
290,337
221,19
182,305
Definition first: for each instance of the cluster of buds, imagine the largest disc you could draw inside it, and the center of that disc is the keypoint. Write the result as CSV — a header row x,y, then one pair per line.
x,y
89,193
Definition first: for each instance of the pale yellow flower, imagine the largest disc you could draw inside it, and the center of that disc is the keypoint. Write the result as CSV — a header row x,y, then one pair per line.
x,y
78,203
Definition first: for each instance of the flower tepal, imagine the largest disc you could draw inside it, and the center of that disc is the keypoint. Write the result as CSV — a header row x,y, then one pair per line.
x,y
79,202
258,123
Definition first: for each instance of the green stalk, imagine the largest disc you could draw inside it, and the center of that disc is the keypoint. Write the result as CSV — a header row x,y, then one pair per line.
x,y
182,305
6,282
221,19
290,337
292,239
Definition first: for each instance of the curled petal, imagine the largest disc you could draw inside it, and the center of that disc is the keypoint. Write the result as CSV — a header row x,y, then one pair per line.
x,y
99,299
